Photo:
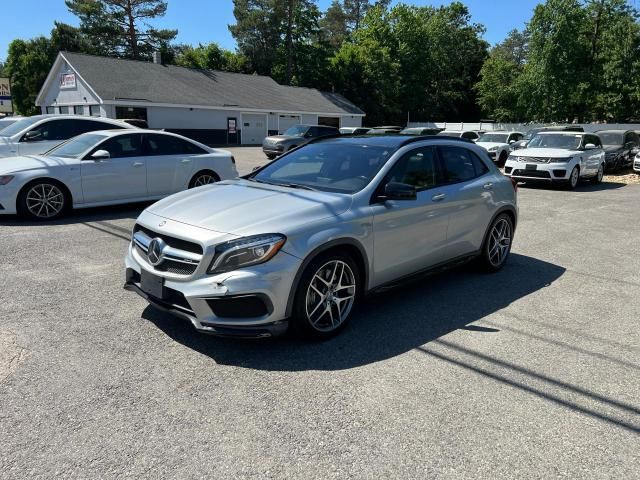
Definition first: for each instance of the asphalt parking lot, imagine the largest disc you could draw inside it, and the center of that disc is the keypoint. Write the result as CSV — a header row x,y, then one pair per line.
x,y
533,372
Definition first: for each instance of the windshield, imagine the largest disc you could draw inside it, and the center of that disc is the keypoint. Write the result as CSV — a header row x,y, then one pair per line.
x,y
330,167
494,138
616,139
563,142
296,131
76,146
19,126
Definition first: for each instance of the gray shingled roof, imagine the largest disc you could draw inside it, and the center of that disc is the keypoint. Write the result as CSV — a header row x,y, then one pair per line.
x,y
117,79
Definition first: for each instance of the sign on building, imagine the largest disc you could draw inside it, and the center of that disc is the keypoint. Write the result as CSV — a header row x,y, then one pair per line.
x,y
6,105
67,80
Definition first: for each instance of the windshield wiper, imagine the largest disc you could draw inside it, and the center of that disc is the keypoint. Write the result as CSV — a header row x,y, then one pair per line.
x,y
295,185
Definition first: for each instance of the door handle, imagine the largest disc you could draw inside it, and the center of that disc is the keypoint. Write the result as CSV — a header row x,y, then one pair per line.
x,y
138,164
438,197
185,160
488,186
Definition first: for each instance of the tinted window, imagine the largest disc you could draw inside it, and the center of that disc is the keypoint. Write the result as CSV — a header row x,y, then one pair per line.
x,y
168,145
470,135
84,126
55,130
592,139
331,167
417,168
633,137
122,146
460,165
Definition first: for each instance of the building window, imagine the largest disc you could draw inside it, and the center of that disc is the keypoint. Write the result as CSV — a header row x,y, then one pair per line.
x,y
78,110
128,113
329,121
51,110
94,110
64,110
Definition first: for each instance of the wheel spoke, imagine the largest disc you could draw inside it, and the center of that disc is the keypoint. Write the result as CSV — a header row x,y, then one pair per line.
x,y
330,295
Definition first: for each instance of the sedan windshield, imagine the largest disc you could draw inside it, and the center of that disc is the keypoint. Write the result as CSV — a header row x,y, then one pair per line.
x,y
296,131
612,139
19,126
494,138
330,167
563,142
76,146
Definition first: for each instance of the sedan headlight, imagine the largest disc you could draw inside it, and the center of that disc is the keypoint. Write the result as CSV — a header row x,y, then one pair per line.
x,y
5,179
246,251
493,149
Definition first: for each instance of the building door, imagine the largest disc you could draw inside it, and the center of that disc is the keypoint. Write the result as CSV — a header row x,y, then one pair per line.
x,y
329,121
286,121
254,128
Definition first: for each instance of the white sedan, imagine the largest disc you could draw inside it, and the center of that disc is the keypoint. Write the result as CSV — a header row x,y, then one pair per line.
x,y
108,168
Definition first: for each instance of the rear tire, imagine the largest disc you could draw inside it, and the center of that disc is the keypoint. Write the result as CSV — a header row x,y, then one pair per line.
x,y
43,200
497,246
327,293
270,156
205,177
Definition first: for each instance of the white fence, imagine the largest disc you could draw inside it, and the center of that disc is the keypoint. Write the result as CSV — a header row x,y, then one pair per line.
x,y
520,127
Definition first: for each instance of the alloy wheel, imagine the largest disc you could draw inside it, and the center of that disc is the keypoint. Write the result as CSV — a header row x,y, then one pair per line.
x,y
330,296
204,179
45,200
600,173
574,178
500,242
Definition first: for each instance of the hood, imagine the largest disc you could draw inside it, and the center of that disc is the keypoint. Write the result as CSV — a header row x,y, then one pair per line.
x,y
488,145
609,149
279,138
28,162
240,207
546,152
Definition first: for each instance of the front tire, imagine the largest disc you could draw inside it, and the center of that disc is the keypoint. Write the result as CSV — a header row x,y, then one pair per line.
x,y
574,178
328,290
599,176
270,156
43,200
497,245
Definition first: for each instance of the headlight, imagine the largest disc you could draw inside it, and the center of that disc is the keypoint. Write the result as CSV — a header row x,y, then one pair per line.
x,y
513,158
5,179
560,160
493,149
246,251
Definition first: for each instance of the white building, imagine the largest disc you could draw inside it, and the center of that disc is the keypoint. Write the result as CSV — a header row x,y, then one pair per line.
x,y
209,106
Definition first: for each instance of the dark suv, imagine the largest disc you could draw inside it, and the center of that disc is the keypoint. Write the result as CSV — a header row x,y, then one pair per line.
x,y
294,137
620,147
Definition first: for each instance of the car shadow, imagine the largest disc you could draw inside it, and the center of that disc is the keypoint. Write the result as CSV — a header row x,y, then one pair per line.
x,y
583,186
84,215
386,325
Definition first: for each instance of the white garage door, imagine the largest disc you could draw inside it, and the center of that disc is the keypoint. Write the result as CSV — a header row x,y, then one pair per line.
x,y
254,128
286,121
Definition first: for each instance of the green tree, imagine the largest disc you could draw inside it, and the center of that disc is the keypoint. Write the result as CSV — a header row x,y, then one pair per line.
x,y
209,57
499,86
334,25
121,28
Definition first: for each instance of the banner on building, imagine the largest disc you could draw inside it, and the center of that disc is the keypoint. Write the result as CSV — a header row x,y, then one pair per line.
x,y
6,105
67,80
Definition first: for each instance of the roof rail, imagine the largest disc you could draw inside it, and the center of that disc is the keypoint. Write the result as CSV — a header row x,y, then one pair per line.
x,y
420,138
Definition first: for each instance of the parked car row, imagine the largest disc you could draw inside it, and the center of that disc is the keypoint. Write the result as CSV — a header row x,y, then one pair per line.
x,y
54,163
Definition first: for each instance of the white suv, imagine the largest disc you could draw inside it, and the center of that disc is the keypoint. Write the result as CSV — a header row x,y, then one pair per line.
x,y
636,163
40,133
558,157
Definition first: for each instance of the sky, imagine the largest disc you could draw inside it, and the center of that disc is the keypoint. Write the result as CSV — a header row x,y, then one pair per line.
x,y
204,21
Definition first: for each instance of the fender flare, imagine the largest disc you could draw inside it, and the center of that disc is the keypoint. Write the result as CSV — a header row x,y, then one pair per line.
x,y
317,251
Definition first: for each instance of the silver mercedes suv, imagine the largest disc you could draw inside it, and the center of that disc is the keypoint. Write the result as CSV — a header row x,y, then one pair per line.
x,y
300,241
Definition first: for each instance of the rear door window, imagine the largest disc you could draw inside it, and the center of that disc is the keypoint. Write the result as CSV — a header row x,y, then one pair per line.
x,y
460,164
84,126
169,145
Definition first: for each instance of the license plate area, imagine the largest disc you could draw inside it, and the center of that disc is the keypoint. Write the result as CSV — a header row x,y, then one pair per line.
x,y
152,285
530,166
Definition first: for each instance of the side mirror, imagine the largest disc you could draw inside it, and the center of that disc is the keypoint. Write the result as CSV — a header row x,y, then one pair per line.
x,y
399,191
32,136
100,155
590,146
511,142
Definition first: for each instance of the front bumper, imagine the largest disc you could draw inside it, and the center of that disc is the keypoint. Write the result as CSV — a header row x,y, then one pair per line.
x,y
250,302
8,196
273,150
544,172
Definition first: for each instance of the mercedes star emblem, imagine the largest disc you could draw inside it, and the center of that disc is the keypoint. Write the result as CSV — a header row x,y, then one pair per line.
x,y
155,254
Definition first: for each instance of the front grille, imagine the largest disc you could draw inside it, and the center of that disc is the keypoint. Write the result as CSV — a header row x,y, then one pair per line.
x,y
171,241
176,260
531,173
535,159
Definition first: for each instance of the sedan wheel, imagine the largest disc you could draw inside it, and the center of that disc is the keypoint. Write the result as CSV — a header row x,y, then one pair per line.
x,y
204,178
43,201
327,294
